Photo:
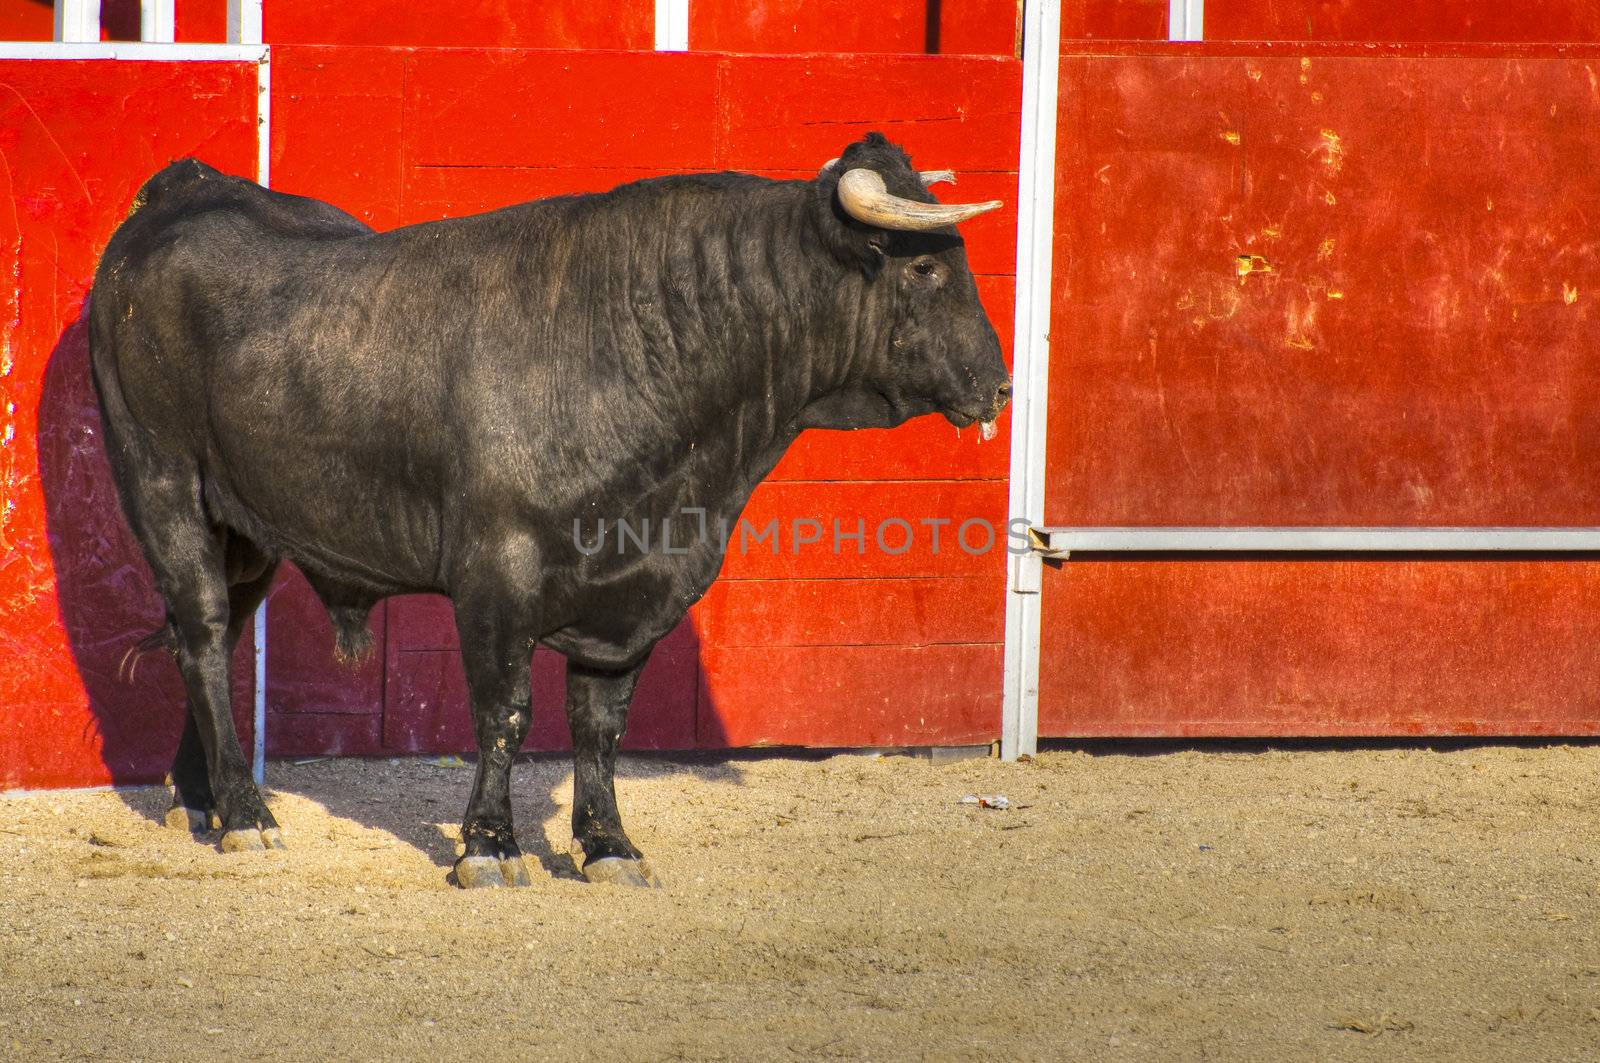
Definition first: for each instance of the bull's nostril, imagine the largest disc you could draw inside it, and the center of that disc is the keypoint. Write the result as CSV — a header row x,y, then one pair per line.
x,y
1003,392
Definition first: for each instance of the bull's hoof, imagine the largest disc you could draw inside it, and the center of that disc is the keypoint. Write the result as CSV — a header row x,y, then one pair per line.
x,y
621,871
489,872
250,839
182,817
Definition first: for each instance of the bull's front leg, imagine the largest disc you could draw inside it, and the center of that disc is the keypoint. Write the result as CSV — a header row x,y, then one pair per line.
x,y
496,653
597,714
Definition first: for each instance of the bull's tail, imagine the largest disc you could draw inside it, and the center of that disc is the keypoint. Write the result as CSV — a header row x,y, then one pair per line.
x,y
162,638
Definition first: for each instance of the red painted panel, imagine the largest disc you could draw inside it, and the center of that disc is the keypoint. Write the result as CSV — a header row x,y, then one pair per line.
x,y
26,20
202,21
1118,20
960,113
478,23
395,136
850,695
1316,647
584,109
814,525
853,612
993,27
986,27
1376,20
76,592
336,122
1423,348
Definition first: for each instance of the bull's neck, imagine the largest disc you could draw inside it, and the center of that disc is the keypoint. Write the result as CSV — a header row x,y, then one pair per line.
x,y
780,325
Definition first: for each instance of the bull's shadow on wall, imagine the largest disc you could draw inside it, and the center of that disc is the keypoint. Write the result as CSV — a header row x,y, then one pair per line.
x,y
107,601
104,590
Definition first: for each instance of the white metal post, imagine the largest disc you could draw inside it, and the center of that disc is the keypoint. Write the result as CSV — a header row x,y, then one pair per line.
x,y
158,21
1036,185
244,22
77,21
244,27
1186,20
672,25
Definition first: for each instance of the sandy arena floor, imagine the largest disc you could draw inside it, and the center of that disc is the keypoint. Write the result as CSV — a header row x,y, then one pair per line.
x,y
1302,904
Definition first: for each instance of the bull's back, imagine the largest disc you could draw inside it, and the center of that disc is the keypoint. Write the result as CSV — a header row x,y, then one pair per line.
x,y
180,274
226,329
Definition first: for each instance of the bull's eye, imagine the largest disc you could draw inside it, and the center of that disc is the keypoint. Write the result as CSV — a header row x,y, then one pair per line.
x,y
925,270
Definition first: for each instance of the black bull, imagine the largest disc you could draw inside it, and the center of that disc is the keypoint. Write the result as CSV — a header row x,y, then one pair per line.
x,y
436,407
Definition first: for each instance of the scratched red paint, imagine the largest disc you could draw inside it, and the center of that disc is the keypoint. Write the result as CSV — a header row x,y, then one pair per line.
x,y
75,590
1322,288
1536,21
986,27
1318,647
476,23
1325,290
1133,20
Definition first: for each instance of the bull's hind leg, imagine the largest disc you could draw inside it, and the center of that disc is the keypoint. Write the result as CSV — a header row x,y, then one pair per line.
x,y
597,714
249,574
496,650
161,496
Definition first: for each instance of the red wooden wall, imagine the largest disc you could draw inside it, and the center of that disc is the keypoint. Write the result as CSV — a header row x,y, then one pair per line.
x,y
74,588
1423,215
811,649
1306,286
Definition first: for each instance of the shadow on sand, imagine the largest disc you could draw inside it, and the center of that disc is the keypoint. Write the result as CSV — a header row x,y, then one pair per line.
x,y
419,800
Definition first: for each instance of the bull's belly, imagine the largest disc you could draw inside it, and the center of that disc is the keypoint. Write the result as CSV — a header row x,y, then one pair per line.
x,y
614,617
354,538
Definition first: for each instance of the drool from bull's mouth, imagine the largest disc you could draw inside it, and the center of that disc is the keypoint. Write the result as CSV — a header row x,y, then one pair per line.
x,y
430,409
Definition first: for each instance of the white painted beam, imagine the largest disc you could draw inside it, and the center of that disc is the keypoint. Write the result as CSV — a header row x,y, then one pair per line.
x,y
1064,541
1036,183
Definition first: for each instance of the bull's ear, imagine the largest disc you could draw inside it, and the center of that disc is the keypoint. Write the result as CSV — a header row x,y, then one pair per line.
x,y
854,244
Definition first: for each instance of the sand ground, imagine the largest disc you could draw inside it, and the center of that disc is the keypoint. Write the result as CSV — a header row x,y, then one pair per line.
x,y
1301,903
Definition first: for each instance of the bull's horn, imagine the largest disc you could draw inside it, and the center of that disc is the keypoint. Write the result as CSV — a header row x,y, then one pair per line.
x,y
929,178
864,198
